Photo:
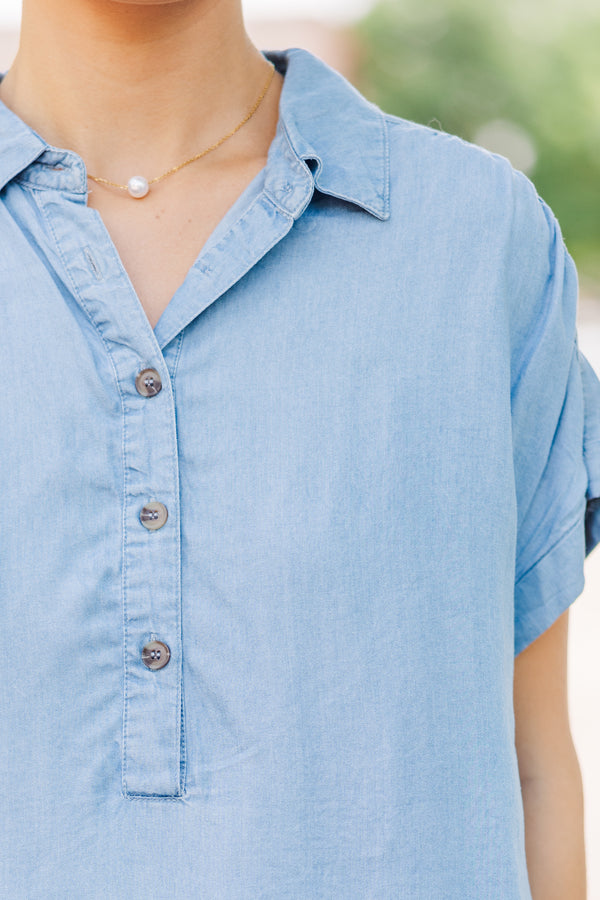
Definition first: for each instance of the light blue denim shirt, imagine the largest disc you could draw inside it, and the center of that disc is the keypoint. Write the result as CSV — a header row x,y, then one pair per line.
x,y
378,450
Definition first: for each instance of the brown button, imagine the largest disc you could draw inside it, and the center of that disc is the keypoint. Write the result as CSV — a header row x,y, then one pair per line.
x,y
153,515
155,655
148,383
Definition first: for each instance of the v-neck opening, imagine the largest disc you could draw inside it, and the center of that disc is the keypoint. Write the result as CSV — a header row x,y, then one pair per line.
x,y
252,190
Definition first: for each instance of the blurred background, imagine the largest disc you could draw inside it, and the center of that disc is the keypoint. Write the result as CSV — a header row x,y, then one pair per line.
x,y
521,78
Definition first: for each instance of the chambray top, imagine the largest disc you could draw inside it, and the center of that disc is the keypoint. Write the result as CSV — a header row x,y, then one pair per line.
x,y
379,448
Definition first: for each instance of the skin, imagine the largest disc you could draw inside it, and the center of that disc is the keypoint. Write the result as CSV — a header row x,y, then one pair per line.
x,y
135,88
550,774
134,85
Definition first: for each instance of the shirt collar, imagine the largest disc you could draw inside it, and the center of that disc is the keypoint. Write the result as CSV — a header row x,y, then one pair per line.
x,y
328,120
323,116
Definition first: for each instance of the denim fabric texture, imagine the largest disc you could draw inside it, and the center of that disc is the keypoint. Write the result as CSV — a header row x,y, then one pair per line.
x,y
379,447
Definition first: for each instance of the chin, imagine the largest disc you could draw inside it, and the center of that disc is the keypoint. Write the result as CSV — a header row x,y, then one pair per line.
x,y
150,2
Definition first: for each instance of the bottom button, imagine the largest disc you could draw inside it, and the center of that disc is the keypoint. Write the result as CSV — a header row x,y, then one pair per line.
x,y
155,654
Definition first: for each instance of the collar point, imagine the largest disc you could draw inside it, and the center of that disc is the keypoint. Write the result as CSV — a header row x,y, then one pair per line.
x,y
380,210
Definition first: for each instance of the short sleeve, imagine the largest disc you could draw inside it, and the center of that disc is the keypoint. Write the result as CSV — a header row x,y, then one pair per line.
x,y
555,397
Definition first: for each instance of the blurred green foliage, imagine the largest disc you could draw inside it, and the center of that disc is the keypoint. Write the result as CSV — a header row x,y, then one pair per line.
x,y
459,64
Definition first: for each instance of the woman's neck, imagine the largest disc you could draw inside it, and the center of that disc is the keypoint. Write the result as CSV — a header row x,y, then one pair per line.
x,y
133,86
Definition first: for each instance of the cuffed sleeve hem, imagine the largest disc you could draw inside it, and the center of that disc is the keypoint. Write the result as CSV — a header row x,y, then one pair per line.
x,y
545,591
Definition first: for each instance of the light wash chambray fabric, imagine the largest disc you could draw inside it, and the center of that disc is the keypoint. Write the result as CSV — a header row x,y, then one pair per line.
x,y
379,447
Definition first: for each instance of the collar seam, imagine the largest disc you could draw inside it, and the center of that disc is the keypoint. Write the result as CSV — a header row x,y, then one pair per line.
x,y
26,182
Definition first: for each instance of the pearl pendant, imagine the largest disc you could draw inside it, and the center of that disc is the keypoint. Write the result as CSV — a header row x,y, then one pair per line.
x,y
137,186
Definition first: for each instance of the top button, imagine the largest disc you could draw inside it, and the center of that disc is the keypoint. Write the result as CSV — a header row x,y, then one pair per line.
x,y
148,383
155,655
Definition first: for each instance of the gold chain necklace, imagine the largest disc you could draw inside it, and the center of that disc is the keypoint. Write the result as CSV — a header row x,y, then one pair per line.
x,y
138,186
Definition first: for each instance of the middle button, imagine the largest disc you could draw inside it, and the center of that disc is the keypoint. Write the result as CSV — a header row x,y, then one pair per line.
x,y
153,515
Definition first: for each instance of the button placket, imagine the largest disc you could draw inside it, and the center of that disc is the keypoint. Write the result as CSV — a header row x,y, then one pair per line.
x,y
153,515
151,757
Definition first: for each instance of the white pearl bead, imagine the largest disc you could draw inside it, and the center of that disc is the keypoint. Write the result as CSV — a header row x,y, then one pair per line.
x,y
137,186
